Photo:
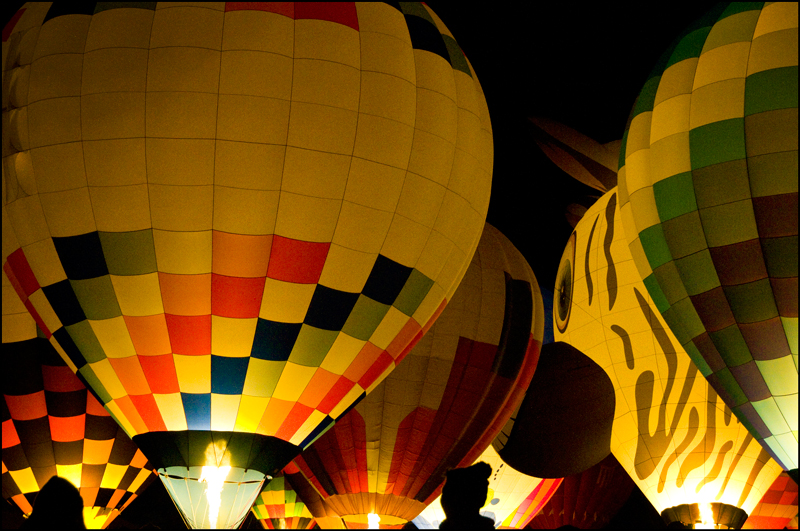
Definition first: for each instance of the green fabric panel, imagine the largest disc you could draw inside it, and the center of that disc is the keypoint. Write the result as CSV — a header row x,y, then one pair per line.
x,y
773,173
788,443
416,8
675,196
790,328
729,223
730,384
788,405
698,272
261,514
745,422
781,456
752,302
697,358
731,346
457,58
655,246
721,183
737,29
413,293
622,148
769,412
717,142
780,255
84,338
670,281
686,319
780,375
312,345
656,293
97,297
95,383
738,7
365,317
771,89
647,97
684,235
277,483
689,46
129,253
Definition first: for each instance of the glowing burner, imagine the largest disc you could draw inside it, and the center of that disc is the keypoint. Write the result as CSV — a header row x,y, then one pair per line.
x,y
215,477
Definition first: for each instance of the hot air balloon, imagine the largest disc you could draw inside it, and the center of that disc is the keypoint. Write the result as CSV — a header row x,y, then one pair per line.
x,y
512,501
672,433
279,507
234,219
777,508
708,194
53,426
587,500
443,405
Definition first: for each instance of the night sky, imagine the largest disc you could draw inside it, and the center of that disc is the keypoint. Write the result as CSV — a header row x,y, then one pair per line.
x,y
581,64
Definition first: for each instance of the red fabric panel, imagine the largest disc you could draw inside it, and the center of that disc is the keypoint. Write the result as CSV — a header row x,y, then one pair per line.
x,y
297,416
160,373
341,12
377,368
236,297
60,379
27,407
93,407
337,392
23,273
403,338
281,8
10,435
9,27
148,410
296,261
67,429
190,335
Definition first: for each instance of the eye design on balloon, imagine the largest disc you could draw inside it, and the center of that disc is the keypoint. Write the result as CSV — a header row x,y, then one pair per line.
x,y
565,278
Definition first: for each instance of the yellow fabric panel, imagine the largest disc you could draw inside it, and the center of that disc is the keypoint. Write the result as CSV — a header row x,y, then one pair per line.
x,y
252,119
735,28
25,480
121,419
256,73
722,63
638,138
72,473
115,162
405,240
58,167
138,295
457,222
374,185
773,50
54,121
638,171
68,212
244,211
124,28
670,156
65,36
315,173
383,140
112,476
97,452
224,411
96,517
44,262
392,323
171,408
251,409
387,96
435,297
420,199
114,336
105,373
194,373
313,38
326,83
258,30
293,381
187,26
361,228
55,76
776,16
120,208
180,161
342,353
434,73
305,218
437,114
380,18
31,209
183,253
127,108
308,426
173,114
322,128
347,401
261,379
137,482
670,117
431,156
181,208
285,302
248,165
716,102
232,337
376,49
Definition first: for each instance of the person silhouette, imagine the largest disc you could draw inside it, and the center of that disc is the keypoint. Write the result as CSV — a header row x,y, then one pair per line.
x,y
463,495
58,506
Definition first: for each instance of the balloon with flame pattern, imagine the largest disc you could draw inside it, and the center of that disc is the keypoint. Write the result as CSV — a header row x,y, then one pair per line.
x,y
708,194
679,442
233,219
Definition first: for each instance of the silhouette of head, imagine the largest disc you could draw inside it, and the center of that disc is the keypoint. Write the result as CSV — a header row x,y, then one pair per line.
x,y
58,504
465,490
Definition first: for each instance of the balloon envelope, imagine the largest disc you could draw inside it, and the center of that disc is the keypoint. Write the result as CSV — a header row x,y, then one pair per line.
x,y
444,403
234,219
279,507
778,508
708,193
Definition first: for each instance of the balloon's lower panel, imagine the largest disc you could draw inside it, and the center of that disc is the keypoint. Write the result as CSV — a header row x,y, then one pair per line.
x,y
705,515
210,497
